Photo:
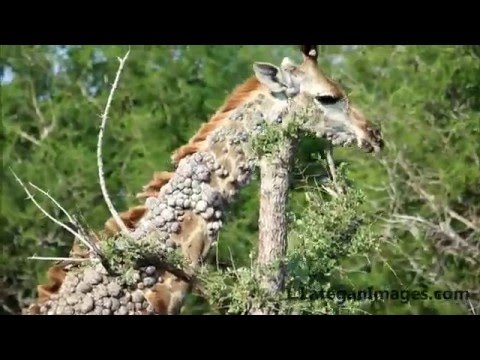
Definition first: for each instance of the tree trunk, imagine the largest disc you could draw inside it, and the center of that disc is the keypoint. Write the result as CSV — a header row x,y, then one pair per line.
x,y
275,180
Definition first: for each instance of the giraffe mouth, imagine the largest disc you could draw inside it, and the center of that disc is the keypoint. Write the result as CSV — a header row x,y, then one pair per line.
x,y
369,148
344,139
341,139
374,141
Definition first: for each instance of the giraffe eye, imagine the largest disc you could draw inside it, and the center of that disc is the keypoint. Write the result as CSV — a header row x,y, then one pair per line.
x,y
328,99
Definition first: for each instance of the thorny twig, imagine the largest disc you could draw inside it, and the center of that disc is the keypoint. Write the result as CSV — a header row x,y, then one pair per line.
x,y
472,309
441,228
54,201
414,184
80,230
28,137
46,258
436,226
101,177
58,222
444,212
333,172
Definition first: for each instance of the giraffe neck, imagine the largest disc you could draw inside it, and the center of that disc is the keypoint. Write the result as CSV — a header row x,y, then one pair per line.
x,y
186,213
189,210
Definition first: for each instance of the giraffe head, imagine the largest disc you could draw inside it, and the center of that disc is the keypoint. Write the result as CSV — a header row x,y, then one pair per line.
x,y
304,88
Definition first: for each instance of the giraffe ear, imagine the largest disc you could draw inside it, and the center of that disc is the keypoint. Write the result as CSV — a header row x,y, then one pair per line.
x,y
270,76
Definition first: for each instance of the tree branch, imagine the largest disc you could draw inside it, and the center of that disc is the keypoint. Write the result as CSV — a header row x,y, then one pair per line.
x,y
56,203
75,223
45,258
58,222
28,137
101,177
332,169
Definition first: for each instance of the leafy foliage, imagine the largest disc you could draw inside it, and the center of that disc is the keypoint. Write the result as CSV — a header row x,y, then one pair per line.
x,y
325,233
123,255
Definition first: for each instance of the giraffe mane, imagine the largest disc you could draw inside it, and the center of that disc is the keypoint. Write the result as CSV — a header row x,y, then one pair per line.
x,y
237,98
56,274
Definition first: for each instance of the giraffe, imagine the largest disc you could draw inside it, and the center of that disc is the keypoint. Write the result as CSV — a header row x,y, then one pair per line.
x,y
184,209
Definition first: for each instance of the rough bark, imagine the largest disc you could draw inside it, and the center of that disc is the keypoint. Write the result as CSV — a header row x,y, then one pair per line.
x,y
275,180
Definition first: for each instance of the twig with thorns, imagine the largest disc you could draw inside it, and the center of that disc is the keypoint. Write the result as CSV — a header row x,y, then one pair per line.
x,y
84,240
101,177
46,258
93,247
333,173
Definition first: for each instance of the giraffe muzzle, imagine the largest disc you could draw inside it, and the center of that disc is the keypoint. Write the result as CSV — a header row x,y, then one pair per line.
x,y
374,142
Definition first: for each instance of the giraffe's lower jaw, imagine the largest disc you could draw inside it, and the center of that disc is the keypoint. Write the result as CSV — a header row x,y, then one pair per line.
x,y
347,140
372,147
341,139
368,148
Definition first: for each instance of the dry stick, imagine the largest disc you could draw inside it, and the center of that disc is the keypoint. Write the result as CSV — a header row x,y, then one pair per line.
x,y
70,218
415,185
29,137
333,172
58,222
54,201
46,258
274,183
112,210
92,247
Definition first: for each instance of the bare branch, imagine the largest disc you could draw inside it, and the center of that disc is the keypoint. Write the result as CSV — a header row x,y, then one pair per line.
x,y
54,201
75,223
101,177
46,129
415,219
460,218
442,228
45,258
415,185
28,137
74,233
36,107
333,172
472,309
330,191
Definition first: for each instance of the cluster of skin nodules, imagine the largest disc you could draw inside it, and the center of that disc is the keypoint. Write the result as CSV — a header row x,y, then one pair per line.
x,y
185,215
93,292
189,210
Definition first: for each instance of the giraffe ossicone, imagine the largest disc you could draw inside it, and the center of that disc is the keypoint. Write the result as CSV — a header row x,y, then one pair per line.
x,y
184,209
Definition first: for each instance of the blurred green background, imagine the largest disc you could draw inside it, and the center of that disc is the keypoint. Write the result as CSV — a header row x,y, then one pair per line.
x,y
424,189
